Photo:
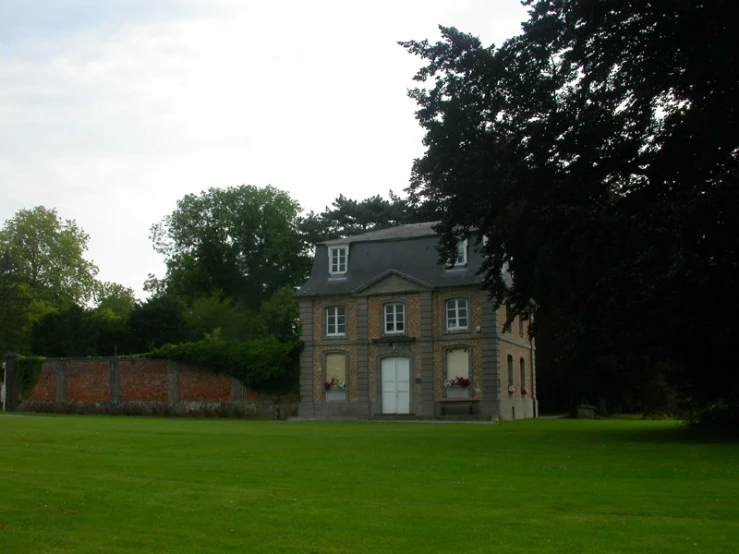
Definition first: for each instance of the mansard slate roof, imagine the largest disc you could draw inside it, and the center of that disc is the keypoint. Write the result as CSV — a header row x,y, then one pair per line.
x,y
408,251
413,230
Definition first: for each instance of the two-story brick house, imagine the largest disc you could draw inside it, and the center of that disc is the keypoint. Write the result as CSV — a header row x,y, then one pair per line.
x,y
390,330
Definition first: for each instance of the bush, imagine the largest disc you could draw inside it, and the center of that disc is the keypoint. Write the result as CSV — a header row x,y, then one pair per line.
x,y
263,365
722,413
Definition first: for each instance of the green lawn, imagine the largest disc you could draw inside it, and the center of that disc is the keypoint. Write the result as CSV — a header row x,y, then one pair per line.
x,y
123,484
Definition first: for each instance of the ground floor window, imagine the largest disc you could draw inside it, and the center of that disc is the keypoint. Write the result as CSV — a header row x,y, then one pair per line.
x,y
457,380
335,383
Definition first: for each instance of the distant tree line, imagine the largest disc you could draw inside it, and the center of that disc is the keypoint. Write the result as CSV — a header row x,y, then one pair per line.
x,y
234,258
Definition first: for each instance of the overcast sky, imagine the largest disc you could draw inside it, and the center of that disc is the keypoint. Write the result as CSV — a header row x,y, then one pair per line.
x,y
111,110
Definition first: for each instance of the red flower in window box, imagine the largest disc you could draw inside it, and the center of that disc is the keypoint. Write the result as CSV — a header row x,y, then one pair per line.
x,y
334,384
461,382
524,391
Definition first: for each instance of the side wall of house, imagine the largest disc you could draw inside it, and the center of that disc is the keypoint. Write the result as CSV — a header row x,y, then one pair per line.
x,y
521,403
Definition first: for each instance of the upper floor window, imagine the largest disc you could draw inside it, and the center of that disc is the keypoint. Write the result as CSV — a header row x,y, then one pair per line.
x,y
522,366
521,330
461,253
507,324
395,318
338,259
336,321
457,314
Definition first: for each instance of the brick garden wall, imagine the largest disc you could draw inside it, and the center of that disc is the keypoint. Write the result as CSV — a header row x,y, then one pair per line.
x,y
87,382
144,380
150,387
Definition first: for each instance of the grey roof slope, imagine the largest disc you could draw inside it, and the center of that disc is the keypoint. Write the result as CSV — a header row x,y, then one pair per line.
x,y
411,230
412,253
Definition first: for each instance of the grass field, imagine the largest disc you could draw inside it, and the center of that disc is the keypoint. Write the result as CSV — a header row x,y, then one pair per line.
x,y
116,484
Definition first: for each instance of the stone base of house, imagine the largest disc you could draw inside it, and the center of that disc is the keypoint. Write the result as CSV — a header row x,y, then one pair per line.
x,y
509,409
518,408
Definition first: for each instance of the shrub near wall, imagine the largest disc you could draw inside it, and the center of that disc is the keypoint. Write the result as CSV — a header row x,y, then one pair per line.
x,y
265,365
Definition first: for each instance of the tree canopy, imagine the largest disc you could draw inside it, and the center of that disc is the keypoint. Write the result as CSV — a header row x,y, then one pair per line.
x,y
244,241
47,254
347,217
598,151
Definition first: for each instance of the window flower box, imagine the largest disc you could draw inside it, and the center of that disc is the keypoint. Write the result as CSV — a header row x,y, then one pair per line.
x,y
335,396
458,392
335,390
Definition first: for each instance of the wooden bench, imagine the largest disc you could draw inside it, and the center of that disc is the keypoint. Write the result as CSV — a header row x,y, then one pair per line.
x,y
472,403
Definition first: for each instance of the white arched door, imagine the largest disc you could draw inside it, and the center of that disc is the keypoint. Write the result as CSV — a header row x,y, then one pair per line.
x,y
396,386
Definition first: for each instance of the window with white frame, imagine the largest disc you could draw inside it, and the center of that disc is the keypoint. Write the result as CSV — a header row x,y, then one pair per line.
x,y
394,318
338,257
335,321
461,253
457,314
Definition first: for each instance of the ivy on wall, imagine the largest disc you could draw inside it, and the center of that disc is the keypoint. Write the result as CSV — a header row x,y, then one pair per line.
x,y
29,370
263,365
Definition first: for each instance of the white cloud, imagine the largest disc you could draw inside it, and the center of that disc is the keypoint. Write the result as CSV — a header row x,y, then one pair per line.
x,y
113,117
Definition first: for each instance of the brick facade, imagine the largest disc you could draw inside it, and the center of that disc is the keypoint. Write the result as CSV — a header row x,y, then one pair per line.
x,y
365,344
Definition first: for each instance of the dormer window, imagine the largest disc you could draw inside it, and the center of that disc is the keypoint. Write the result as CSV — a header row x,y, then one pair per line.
x,y
461,253
338,256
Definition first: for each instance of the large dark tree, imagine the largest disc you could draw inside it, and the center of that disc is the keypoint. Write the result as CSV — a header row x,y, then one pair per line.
x,y
598,151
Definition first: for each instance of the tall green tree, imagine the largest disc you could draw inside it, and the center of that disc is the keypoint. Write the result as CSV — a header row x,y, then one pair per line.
x,y
218,316
244,241
66,333
48,256
115,297
15,300
159,321
598,152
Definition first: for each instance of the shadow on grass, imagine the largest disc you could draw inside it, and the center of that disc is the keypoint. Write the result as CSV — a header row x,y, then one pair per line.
x,y
679,433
